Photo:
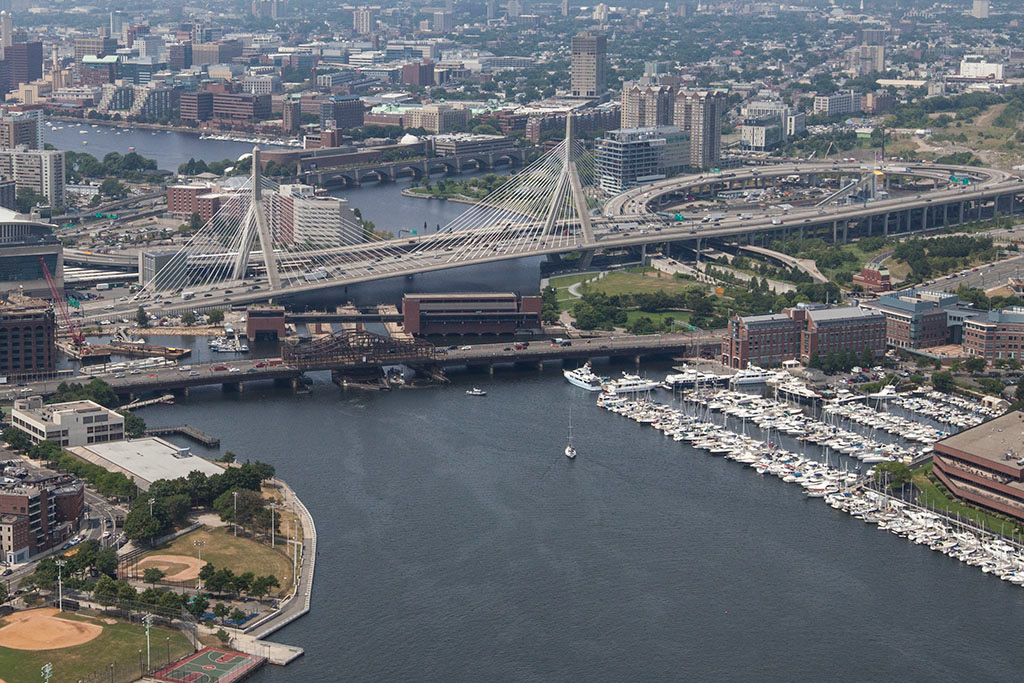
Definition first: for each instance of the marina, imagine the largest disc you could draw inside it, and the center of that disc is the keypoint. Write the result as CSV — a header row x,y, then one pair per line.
x,y
841,489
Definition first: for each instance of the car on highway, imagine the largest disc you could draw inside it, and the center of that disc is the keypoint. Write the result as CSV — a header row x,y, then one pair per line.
x,y
193,373
466,348
233,370
260,364
220,368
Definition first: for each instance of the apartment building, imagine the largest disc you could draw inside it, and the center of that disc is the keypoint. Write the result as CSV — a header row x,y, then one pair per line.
x,y
28,335
589,58
41,171
646,106
298,216
997,335
700,113
631,156
839,103
38,512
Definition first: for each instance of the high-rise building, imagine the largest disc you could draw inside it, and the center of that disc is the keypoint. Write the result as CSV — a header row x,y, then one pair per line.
x,y
980,9
700,113
492,9
26,242
647,106
41,171
19,130
836,104
866,59
291,115
588,64
298,216
118,20
363,20
346,111
513,9
565,8
24,63
420,73
6,32
97,47
32,322
179,56
444,22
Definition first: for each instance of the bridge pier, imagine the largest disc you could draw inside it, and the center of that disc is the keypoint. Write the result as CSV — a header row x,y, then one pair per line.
x,y
490,369
846,230
232,387
587,258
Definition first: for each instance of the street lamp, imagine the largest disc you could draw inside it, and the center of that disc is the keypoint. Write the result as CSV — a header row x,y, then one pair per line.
x,y
234,494
272,508
60,584
199,549
46,671
151,501
148,621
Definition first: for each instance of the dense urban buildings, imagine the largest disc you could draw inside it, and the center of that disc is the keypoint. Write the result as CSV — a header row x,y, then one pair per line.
x,y
38,511
700,113
631,156
41,171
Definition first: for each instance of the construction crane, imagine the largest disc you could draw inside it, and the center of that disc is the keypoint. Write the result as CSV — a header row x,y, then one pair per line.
x,y
77,337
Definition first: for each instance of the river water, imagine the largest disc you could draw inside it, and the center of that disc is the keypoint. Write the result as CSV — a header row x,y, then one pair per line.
x,y
457,543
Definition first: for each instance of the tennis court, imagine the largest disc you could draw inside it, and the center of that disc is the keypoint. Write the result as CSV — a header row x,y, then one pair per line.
x,y
211,665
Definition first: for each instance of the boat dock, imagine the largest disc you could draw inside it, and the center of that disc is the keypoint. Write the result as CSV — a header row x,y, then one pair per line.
x,y
186,430
166,398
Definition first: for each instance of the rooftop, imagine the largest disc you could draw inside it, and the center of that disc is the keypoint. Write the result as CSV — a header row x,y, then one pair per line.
x,y
841,313
991,440
146,460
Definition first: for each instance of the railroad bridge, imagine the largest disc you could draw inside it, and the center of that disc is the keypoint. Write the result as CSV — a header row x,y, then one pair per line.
x,y
354,176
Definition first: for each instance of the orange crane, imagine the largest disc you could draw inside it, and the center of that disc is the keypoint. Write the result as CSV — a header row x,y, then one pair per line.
x,y
77,337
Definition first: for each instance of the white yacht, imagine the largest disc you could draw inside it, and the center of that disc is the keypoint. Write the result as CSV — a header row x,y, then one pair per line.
x,y
751,375
570,452
629,384
583,377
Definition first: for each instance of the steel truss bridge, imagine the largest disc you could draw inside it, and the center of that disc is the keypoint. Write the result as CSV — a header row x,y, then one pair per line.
x,y
549,208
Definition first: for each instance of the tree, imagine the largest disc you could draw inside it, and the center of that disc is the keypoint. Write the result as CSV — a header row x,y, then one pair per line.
x,y
188,318
134,426
975,365
3,593
105,591
206,572
17,439
228,457
140,525
215,317
866,358
49,451
105,561
895,473
26,198
221,611
141,317
152,574
112,187
196,605
237,615
943,381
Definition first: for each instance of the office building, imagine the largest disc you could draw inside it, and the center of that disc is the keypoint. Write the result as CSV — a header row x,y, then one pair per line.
x,y
261,84
919,319
196,106
41,171
28,335
162,268
802,333
513,9
179,56
38,512
647,106
364,21
6,32
979,10
240,107
985,464
455,144
437,118
146,460
763,133
97,71
24,63
444,22
631,156
995,335
977,66
589,56
483,313
700,113
346,111
74,423
149,46
298,216
95,47
838,104
420,73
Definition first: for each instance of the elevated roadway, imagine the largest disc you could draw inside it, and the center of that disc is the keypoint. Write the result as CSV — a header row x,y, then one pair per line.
x,y
629,220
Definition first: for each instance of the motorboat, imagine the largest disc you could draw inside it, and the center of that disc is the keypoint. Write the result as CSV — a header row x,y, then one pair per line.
x,y
751,375
583,377
475,392
629,384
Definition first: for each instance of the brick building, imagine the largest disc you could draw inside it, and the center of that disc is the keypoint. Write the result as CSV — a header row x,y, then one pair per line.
x,y
487,313
37,513
182,200
995,335
800,333
873,278
918,319
28,335
196,106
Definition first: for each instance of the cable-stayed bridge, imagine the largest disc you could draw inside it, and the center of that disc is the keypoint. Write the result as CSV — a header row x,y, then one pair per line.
x,y
246,254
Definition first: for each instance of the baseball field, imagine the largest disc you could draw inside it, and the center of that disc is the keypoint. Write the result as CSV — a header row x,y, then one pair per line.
x,y
77,645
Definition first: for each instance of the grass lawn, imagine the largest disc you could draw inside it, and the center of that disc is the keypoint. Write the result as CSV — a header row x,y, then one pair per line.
x,y
678,316
119,643
938,497
240,555
630,283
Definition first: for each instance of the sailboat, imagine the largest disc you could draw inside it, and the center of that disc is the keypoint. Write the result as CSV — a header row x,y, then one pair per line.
x,y
570,452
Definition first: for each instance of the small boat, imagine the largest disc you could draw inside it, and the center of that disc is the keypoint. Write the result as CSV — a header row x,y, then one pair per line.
x,y
475,392
570,452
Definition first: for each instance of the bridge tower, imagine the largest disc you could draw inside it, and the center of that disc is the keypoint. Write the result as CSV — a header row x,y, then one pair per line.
x,y
570,176
255,225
